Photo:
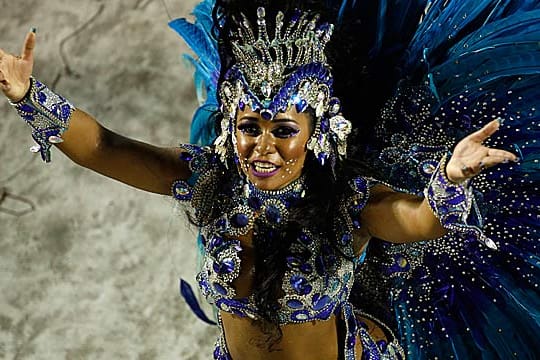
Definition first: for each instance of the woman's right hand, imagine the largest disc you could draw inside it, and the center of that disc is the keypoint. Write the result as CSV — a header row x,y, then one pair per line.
x,y
15,71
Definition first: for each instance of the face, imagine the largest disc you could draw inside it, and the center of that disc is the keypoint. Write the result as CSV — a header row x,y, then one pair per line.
x,y
272,153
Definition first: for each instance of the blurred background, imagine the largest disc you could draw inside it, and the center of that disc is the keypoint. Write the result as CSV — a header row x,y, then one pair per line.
x,y
89,267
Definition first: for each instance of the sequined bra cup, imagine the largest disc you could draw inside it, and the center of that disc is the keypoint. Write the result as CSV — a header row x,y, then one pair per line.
x,y
317,280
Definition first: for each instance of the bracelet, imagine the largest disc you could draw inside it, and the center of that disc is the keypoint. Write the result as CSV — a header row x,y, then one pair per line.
x,y
451,203
47,113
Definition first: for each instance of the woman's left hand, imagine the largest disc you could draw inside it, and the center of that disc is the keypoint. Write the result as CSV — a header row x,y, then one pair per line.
x,y
470,156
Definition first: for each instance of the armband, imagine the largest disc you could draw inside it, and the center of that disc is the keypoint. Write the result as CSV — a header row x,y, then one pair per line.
x,y
47,114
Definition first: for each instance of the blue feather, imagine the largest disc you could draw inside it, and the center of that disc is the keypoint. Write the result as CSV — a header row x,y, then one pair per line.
x,y
191,299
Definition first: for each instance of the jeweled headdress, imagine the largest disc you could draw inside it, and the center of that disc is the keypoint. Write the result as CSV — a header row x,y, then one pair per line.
x,y
271,75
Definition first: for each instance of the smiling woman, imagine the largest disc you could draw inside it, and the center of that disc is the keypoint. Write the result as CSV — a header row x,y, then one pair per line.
x,y
308,247
273,153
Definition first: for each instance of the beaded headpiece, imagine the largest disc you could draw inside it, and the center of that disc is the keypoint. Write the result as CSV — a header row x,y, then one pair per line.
x,y
271,75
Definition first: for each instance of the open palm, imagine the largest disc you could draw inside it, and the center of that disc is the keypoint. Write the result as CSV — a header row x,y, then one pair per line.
x,y
470,156
15,71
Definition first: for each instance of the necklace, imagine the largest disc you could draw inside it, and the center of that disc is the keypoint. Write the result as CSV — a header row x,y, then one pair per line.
x,y
269,207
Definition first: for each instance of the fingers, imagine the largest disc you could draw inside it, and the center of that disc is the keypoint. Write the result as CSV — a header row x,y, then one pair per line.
x,y
486,131
29,44
495,157
506,155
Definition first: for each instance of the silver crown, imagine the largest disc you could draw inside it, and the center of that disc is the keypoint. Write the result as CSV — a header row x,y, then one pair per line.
x,y
264,61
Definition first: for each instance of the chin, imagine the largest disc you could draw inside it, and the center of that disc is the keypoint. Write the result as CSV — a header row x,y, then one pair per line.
x,y
275,182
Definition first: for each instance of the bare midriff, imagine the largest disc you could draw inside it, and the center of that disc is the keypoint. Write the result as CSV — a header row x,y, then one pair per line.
x,y
315,340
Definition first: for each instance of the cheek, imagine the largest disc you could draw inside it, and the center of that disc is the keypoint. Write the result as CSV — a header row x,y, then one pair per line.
x,y
294,152
244,145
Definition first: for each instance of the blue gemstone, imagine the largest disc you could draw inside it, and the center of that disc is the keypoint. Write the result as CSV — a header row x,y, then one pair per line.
x,y
457,200
254,202
451,219
382,345
300,284
301,106
450,190
351,341
182,190
267,114
293,262
351,321
239,220
220,289
204,285
242,105
216,242
325,125
295,304
306,268
360,184
325,314
273,214
300,315
221,223
322,158
346,238
225,267
42,98
305,239
319,303
27,108
66,111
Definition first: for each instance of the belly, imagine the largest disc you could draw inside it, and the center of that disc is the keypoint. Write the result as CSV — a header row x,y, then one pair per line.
x,y
246,340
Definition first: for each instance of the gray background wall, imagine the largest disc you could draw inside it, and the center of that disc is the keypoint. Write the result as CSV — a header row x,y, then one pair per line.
x,y
92,271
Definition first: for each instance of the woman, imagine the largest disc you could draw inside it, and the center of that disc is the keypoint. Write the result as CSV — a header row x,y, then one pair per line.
x,y
280,277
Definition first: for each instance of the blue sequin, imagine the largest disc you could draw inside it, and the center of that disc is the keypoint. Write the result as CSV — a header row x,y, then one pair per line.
x,y
239,220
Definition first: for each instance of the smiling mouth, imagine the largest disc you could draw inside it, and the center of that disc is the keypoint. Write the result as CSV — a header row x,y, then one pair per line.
x,y
263,169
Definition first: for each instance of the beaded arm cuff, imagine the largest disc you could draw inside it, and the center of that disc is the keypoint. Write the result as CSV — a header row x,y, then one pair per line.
x,y
452,204
47,113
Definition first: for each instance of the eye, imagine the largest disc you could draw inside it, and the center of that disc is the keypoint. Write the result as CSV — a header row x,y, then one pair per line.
x,y
249,129
284,132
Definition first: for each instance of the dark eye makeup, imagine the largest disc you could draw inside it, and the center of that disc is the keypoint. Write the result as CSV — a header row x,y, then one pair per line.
x,y
284,131
249,128
281,131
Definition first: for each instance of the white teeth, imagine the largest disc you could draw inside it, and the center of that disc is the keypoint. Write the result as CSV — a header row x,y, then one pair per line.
x,y
263,167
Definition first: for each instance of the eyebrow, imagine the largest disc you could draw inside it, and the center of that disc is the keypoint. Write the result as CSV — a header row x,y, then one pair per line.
x,y
255,118
284,119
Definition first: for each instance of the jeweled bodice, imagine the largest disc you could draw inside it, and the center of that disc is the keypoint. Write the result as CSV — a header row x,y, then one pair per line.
x,y
319,266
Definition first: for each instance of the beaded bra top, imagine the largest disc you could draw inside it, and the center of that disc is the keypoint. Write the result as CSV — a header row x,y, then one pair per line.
x,y
317,280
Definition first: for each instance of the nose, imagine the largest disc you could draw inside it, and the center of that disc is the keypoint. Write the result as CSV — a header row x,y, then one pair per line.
x,y
264,143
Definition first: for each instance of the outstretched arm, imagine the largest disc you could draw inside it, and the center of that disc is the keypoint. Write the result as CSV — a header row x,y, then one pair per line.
x,y
402,218
91,145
